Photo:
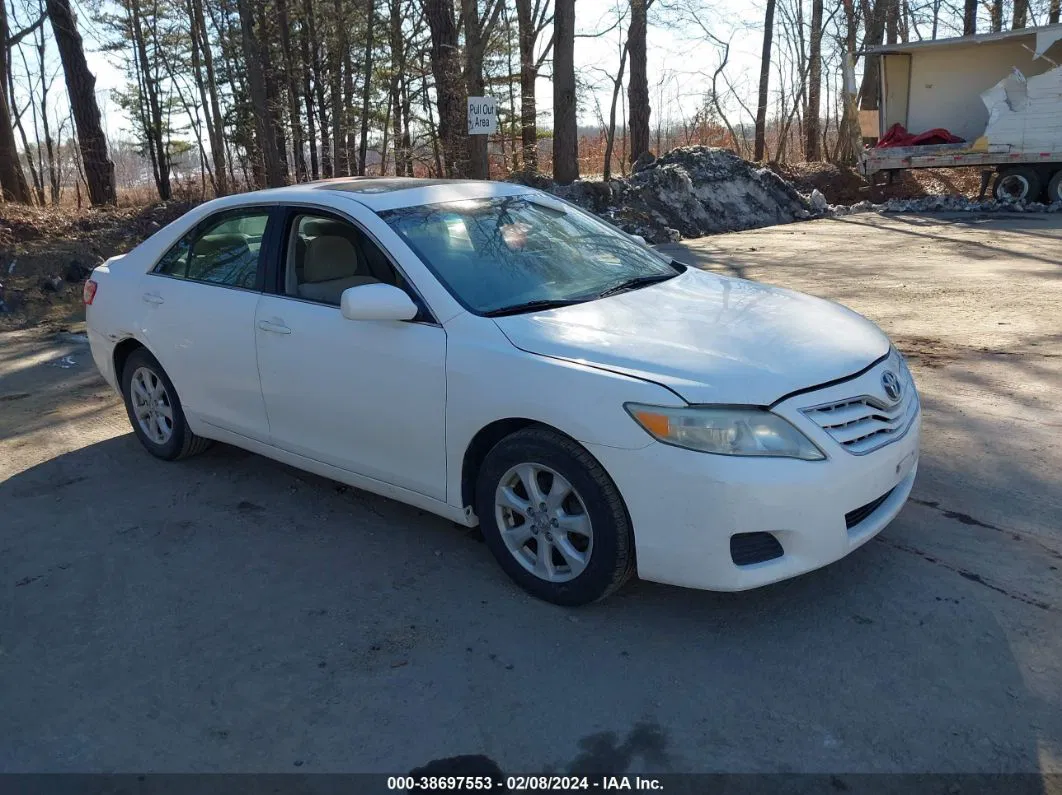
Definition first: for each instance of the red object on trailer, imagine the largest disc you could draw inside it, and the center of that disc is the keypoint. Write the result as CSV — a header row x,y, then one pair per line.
x,y
897,135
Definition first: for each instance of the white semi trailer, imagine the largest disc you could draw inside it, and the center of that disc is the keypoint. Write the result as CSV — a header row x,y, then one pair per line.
x,y
1000,92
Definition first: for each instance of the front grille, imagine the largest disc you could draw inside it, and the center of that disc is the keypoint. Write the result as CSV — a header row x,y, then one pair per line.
x,y
749,548
863,424
852,518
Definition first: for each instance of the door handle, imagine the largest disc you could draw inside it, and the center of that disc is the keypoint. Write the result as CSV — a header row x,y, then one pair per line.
x,y
154,298
276,328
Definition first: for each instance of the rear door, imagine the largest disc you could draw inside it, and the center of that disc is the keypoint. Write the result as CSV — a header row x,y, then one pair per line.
x,y
200,302
365,396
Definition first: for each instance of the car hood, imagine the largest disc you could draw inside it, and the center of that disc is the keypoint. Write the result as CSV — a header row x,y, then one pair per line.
x,y
709,338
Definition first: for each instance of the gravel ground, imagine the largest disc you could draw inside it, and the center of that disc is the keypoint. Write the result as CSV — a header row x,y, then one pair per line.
x,y
231,614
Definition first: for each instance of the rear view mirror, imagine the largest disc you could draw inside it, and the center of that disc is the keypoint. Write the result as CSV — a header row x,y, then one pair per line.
x,y
376,302
638,239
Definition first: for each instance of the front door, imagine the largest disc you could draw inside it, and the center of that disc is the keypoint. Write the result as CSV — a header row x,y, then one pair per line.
x,y
365,396
199,305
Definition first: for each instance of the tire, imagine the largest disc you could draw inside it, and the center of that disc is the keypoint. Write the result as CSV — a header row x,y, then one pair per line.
x,y
1054,188
1017,183
581,568
152,380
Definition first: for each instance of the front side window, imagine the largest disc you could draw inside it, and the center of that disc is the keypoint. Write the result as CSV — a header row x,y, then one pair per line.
x,y
509,253
326,255
221,250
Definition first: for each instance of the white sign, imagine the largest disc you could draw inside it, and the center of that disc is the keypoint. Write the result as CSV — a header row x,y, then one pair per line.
x,y
482,116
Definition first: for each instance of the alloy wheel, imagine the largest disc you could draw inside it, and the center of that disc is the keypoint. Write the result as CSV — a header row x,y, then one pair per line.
x,y
543,522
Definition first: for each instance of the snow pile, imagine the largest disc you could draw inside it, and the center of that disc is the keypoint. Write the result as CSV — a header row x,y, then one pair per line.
x,y
690,192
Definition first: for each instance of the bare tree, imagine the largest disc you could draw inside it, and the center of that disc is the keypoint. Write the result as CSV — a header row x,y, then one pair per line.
x,y
81,88
450,93
996,15
532,17
760,150
969,17
638,87
813,139
1021,13
12,178
366,95
1052,13
565,120
263,111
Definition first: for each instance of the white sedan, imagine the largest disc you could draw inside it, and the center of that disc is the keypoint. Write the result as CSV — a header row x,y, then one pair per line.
x,y
493,355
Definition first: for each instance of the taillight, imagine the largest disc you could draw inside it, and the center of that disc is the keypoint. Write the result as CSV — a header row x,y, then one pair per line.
x,y
89,292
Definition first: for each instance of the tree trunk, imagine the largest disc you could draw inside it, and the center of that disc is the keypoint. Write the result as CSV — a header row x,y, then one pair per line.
x,y
969,18
638,87
997,16
528,75
870,88
12,178
760,146
337,57
565,119
398,68
291,75
813,137
1021,13
81,88
449,89
478,163
307,92
310,43
366,94
610,142
1052,14
152,115
266,133
208,95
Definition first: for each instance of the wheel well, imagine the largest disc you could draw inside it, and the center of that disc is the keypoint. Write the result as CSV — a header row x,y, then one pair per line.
x,y
121,354
478,448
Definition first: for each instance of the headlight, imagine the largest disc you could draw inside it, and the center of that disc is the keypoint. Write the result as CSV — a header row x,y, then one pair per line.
x,y
727,431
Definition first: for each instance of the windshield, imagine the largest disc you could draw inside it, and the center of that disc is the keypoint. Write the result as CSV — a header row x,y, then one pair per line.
x,y
506,252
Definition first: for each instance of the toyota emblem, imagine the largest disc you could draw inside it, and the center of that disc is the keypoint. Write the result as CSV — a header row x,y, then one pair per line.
x,y
891,384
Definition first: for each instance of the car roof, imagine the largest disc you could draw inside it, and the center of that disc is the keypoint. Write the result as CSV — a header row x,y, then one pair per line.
x,y
388,193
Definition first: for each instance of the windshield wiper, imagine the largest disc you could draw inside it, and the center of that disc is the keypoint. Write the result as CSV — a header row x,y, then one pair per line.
x,y
533,306
635,283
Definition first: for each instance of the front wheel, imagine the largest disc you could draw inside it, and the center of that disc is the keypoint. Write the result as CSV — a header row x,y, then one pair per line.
x,y
553,519
155,410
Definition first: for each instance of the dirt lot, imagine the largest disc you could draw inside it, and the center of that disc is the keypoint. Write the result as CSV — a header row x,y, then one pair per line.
x,y
230,614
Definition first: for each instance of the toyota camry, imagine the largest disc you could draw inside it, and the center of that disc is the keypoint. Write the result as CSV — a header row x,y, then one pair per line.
x,y
499,357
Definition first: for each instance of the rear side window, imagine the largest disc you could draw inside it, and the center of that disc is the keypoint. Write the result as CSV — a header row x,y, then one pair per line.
x,y
223,249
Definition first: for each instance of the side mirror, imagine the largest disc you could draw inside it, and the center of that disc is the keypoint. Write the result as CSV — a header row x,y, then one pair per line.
x,y
376,302
638,239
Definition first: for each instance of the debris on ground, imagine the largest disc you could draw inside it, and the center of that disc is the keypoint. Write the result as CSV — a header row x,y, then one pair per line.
x,y
690,192
845,185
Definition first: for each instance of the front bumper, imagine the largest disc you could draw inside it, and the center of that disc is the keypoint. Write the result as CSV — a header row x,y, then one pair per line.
x,y
685,506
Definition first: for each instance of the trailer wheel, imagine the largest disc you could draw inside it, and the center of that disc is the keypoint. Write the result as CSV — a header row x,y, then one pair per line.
x,y
1054,188
1017,184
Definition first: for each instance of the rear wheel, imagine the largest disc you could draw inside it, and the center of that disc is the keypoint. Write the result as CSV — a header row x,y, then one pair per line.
x,y
1018,184
155,410
1054,188
553,519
